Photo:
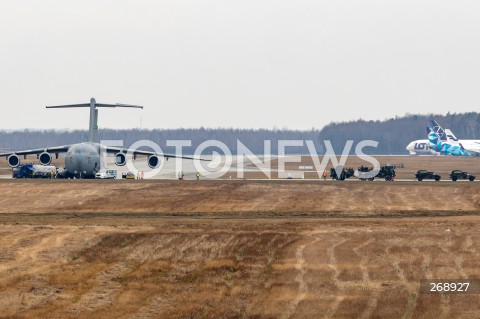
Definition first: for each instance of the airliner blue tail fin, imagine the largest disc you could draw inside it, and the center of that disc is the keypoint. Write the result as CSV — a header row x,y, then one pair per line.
x,y
437,129
441,144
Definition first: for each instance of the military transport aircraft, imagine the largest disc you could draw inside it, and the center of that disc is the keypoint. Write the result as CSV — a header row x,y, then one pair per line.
x,y
83,160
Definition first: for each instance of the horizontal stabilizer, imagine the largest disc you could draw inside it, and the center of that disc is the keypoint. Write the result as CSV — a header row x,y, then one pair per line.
x,y
96,105
67,106
118,105
93,105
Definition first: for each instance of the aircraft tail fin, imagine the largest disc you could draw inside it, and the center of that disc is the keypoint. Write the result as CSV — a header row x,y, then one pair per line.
x,y
450,136
437,129
436,136
93,105
444,142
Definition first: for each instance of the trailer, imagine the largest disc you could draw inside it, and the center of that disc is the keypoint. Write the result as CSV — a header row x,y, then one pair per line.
x,y
365,173
34,171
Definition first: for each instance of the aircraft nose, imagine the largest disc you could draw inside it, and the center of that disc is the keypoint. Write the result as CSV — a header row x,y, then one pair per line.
x,y
410,147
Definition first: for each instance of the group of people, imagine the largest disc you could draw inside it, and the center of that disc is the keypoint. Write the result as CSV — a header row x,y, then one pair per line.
x,y
181,175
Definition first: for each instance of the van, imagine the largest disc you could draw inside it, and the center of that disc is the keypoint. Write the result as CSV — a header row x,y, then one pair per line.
x,y
106,174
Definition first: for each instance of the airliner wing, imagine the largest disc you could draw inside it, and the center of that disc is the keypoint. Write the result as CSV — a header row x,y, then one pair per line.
x,y
148,153
55,149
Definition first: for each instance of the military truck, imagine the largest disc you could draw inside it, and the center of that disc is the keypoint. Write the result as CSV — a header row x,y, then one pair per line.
x,y
387,172
345,173
458,174
34,171
424,174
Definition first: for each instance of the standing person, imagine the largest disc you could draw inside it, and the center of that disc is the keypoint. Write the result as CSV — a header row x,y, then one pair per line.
x,y
325,175
198,176
142,175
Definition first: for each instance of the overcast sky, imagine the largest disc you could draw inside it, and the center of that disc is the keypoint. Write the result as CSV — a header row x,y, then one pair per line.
x,y
245,64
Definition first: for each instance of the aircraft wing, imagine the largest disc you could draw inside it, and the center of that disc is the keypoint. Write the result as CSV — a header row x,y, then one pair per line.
x,y
55,149
149,153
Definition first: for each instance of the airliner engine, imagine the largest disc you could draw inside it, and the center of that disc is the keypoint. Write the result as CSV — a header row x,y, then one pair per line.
x,y
120,159
153,161
45,159
13,160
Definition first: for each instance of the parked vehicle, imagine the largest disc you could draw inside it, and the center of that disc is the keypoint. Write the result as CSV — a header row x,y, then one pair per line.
x,y
424,174
458,174
106,174
345,173
387,172
34,171
363,173
128,175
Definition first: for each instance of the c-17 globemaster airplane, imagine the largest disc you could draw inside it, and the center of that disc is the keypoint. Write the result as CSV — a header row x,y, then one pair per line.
x,y
83,160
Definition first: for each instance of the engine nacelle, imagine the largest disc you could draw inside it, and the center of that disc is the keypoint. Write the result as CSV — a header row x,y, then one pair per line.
x,y
13,160
120,159
153,161
45,159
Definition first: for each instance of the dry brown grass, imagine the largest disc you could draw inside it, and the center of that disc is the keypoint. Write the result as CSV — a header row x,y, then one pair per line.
x,y
240,198
239,269
90,249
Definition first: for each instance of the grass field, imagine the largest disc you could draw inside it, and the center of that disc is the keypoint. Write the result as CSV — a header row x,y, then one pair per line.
x,y
236,249
259,268
237,198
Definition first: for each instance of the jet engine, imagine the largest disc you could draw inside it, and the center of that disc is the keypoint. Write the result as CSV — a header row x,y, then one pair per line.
x,y
45,158
13,160
153,161
120,159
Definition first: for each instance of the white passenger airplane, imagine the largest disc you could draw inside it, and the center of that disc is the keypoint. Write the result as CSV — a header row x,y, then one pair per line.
x,y
471,146
83,160
420,147
443,142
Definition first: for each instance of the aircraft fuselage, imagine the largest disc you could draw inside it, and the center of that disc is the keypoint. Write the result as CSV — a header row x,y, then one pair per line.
x,y
420,147
82,160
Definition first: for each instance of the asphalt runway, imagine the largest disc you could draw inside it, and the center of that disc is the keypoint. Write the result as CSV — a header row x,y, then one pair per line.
x,y
406,167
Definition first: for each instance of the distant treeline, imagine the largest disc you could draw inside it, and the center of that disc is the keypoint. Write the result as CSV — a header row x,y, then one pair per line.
x,y
253,139
393,135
